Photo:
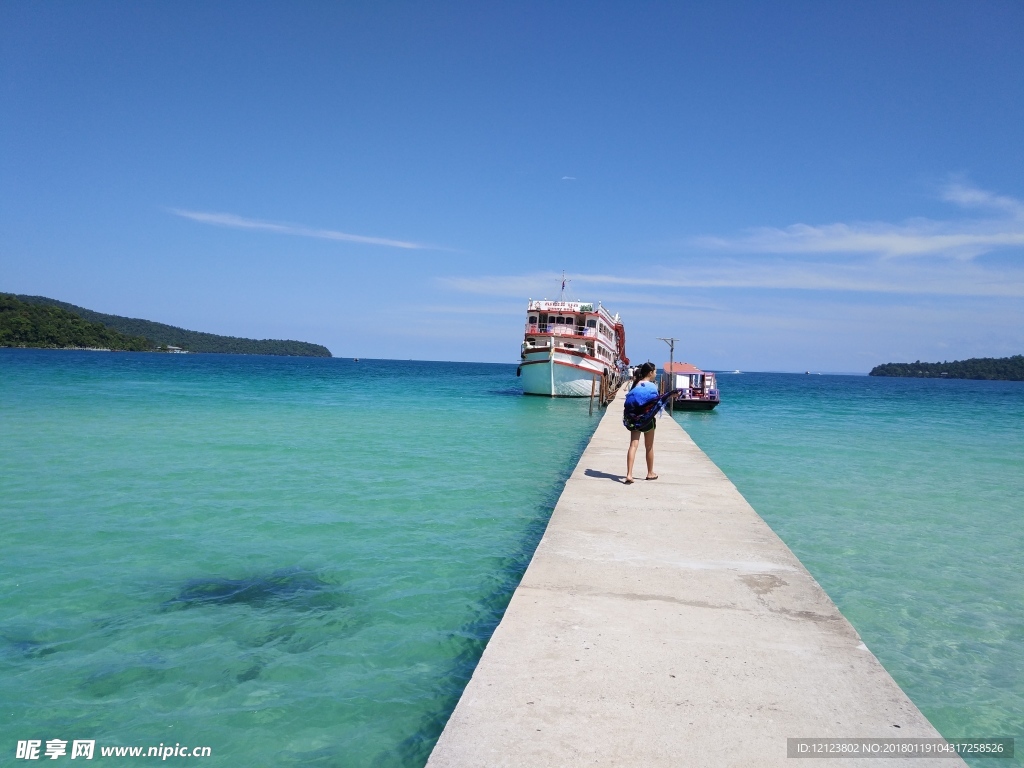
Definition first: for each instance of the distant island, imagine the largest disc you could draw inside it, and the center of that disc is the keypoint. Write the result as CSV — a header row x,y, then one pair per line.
x,y
1001,368
28,325
36,321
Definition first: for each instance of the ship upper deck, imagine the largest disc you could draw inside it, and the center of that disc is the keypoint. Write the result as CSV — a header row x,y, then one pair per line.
x,y
571,308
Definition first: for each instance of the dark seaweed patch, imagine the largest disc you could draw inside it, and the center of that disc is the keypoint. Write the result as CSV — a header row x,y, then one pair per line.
x,y
250,673
293,588
28,649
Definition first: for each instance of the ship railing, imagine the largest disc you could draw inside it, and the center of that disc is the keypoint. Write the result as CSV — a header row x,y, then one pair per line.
x,y
696,393
561,330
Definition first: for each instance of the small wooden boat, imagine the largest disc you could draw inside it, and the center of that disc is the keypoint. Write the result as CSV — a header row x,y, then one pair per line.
x,y
700,390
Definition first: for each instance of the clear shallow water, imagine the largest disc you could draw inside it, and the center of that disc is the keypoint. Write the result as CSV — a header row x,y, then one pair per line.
x,y
297,562
905,499
292,561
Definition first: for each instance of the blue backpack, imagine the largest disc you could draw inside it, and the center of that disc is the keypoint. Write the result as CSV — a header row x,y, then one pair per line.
x,y
638,418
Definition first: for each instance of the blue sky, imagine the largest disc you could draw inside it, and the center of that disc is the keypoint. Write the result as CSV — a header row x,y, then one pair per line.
x,y
782,186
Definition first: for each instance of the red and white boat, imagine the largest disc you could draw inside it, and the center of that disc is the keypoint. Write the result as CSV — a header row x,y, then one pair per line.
x,y
699,388
569,346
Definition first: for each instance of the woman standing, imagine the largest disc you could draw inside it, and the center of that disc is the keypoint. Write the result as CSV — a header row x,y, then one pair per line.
x,y
641,408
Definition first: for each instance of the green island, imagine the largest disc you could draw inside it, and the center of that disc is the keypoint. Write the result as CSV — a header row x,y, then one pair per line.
x,y
27,325
37,321
995,368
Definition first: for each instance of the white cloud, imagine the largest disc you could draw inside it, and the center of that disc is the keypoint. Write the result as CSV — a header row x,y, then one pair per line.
x,y
239,222
942,279
960,239
918,239
971,197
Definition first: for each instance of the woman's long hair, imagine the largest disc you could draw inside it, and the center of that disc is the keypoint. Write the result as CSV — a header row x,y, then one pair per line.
x,y
643,372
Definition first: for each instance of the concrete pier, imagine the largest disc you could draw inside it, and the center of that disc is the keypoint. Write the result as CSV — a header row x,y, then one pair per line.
x,y
665,624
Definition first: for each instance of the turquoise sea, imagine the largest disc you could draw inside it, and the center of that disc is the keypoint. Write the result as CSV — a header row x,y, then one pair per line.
x,y
298,561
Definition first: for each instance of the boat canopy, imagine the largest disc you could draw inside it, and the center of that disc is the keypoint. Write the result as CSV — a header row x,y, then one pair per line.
x,y
681,368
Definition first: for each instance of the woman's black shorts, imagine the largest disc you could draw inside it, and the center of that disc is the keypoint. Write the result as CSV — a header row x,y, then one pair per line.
x,y
649,427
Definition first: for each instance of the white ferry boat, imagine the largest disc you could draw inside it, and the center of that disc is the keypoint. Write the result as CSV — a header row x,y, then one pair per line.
x,y
569,346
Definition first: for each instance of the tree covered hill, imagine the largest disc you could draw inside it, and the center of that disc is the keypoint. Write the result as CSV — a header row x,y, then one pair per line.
x,y
162,335
29,325
1002,368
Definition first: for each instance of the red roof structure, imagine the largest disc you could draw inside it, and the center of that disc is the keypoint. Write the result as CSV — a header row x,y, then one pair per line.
x,y
681,368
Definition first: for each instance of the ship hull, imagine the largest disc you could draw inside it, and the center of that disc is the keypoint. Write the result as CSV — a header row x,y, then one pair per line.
x,y
566,376
694,405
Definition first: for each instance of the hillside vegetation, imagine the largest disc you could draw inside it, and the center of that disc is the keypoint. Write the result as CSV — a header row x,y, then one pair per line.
x,y
28,325
162,335
1002,368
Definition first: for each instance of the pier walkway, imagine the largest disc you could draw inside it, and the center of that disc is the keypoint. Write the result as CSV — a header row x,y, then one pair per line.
x,y
665,624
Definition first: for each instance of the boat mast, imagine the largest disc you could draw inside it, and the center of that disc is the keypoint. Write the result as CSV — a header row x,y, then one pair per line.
x,y
551,357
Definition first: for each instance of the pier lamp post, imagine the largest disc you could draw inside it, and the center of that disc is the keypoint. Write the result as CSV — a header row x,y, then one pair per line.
x,y
671,364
